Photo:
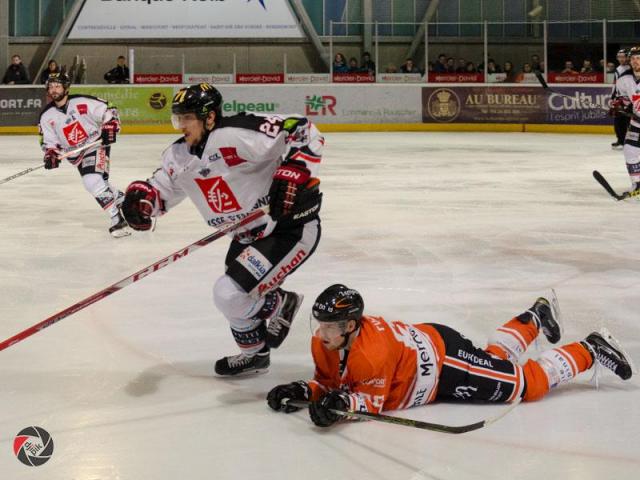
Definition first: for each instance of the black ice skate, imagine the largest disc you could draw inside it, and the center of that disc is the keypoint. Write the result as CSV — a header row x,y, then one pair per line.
x,y
243,364
280,323
606,350
617,145
119,227
546,318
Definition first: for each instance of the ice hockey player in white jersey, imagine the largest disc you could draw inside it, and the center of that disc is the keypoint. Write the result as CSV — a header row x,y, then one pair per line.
x,y
70,121
628,86
620,106
228,167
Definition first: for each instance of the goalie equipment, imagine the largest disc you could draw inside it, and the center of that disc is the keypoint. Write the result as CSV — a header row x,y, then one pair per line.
x,y
139,204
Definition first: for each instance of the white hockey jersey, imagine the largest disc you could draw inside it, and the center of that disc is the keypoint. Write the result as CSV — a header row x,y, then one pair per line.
x,y
79,122
231,174
628,86
620,70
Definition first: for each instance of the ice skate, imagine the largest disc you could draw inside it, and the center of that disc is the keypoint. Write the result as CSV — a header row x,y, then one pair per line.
x,y
606,350
243,364
617,145
280,323
545,315
119,227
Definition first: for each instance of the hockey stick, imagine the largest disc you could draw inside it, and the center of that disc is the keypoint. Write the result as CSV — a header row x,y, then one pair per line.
x,y
47,322
603,181
70,153
407,422
546,87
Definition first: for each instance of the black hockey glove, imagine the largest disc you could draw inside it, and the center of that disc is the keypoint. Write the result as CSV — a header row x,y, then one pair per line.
x,y
139,201
109,131
291,391
320,411
51,158
288,179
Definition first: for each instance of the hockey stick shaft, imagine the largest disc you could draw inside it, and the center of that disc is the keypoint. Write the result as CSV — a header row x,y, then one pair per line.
x,y
70,153
19,174
546,87
47,322
407,422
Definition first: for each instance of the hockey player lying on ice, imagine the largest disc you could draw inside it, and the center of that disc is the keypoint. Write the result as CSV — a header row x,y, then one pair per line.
x,y
365,363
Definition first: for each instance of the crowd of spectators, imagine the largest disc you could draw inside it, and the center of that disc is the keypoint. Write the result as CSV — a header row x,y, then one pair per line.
x,y
340,64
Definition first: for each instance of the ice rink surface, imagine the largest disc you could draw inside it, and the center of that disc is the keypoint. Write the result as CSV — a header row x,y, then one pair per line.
x,y
459,228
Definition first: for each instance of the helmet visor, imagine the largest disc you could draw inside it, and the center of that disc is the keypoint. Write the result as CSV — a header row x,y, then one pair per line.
x,y
182,120
327,330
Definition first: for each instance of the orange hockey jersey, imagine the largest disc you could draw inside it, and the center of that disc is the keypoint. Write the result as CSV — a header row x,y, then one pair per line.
x,y
390,365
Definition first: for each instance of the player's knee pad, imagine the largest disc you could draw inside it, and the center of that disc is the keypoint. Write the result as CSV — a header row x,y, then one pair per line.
x,y
234,303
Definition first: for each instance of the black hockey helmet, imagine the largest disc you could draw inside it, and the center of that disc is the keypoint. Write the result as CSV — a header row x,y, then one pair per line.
x,y
633,51
200,99
338,303
62,78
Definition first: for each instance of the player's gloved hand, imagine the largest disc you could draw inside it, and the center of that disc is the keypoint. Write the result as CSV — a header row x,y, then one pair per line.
x,y
109,131
139,202
290,391
320,411
51,158
617,106
287,180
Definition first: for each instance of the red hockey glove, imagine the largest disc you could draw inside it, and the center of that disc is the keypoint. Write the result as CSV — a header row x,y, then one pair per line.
x,y
139,201
109,131
287,180
618,106
51,158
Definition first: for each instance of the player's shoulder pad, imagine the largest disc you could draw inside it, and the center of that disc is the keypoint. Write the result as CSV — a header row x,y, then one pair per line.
x,y
244,120
91,97
46,108
624,73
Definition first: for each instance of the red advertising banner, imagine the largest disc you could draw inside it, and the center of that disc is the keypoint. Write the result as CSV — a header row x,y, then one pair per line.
x,y
456,77
576,106
157,78
260,78
353,77
575,77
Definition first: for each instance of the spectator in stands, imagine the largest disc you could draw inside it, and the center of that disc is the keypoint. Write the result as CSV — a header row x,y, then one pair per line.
x,y
462,65
526,71
391,68
470,68
118,74
430,67
568,67
510,72
536,64
353,65
409,67
441,64
601,66
611,67
451,65
368,65
587,67
340,64
492,67
53,67
16,73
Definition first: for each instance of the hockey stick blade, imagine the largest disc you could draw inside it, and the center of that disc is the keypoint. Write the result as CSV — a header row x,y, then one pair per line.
x,y
407,422
47,322
603,181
